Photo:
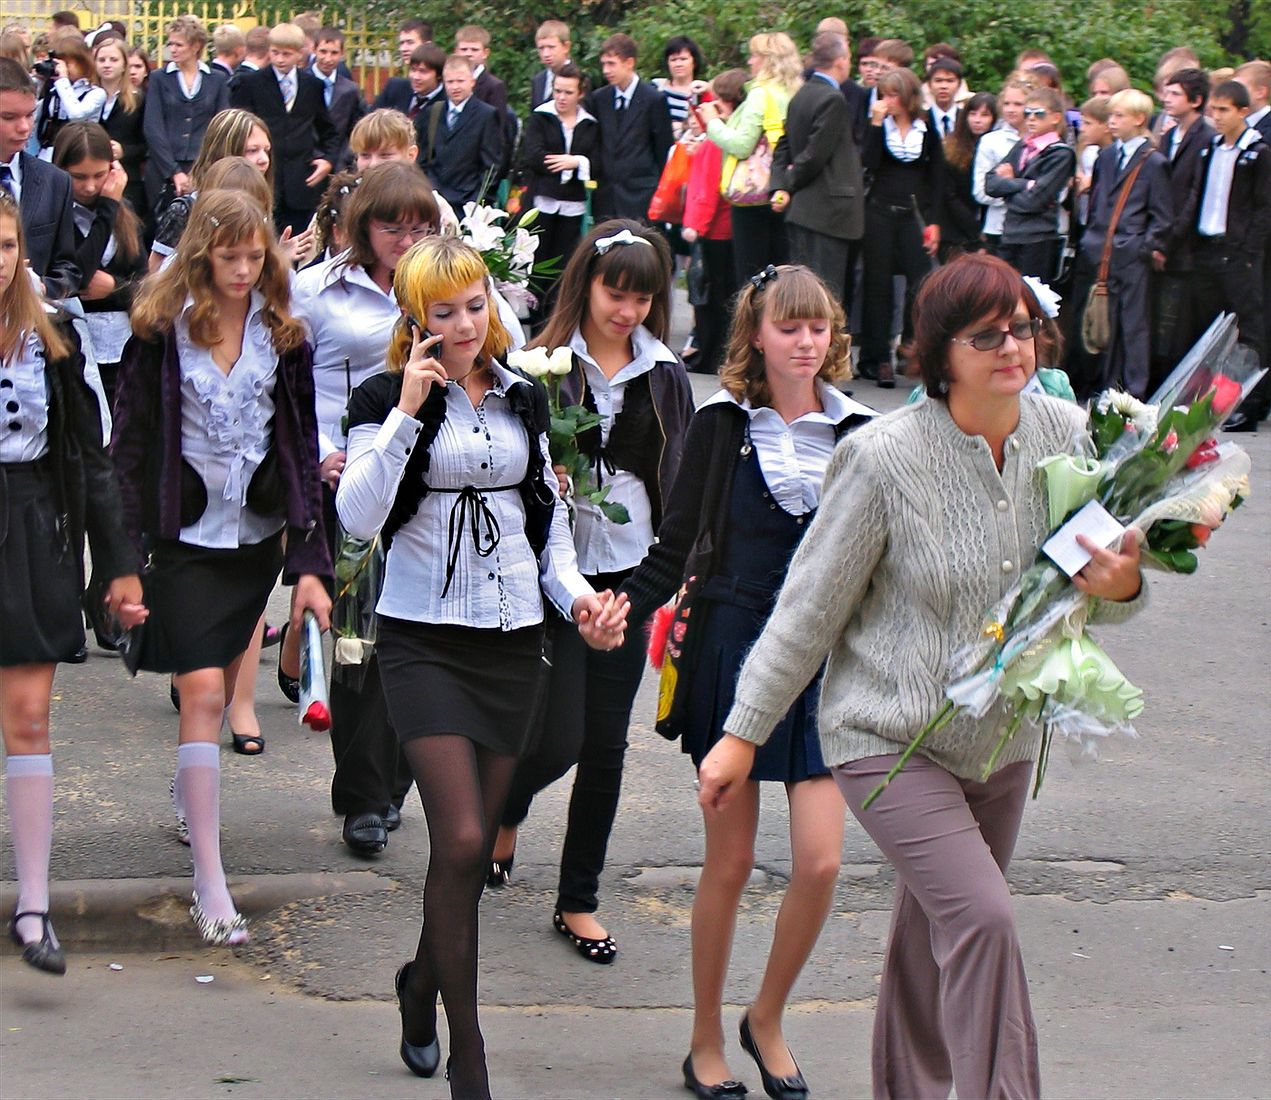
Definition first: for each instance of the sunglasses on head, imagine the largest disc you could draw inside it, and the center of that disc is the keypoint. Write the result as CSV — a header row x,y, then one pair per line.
x,y
993,338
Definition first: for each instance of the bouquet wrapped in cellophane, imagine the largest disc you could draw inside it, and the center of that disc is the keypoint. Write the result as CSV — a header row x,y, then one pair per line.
x,y
1152,466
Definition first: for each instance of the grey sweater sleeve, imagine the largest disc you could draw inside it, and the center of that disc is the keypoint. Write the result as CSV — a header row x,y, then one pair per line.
x,y
827,576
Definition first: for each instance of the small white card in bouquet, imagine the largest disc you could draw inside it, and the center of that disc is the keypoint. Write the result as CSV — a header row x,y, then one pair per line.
x,y
1096,523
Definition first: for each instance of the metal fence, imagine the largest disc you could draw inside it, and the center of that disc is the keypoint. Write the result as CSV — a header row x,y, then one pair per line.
x,y
370,42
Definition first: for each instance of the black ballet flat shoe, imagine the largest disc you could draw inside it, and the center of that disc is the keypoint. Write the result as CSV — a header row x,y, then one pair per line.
x,y
779,1088
288,685
422,1061
500,873
596,951
725,1090
42,954
365,834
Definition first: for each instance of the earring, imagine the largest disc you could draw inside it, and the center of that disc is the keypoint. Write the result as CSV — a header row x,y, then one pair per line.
x,y
942,387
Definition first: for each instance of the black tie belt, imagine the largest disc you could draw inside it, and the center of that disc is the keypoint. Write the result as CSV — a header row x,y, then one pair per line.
x,y
470,509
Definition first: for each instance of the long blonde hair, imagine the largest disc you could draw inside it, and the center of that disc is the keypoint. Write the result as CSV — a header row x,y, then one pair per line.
x,y
793,293
127,93
431,270
21,309
782,64
218,219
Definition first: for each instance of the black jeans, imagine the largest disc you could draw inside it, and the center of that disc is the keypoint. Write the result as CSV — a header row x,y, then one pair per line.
x,y
892,246
588,711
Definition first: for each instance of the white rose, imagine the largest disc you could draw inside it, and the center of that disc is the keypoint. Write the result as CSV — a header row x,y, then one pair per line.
x,y
533,361
561,361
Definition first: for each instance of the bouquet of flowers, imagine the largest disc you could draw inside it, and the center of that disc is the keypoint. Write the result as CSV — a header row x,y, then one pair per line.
x,y
1155,467
567,424
508,253
315,708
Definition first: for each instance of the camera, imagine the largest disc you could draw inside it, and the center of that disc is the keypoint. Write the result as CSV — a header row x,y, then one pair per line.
x,y
47,68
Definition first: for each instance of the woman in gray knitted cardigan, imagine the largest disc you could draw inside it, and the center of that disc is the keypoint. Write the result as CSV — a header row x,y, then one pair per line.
x,y
927,516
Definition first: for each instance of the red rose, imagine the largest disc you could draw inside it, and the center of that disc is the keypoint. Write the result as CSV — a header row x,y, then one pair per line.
x,y
317,717
1206,452
1201,533
1226,394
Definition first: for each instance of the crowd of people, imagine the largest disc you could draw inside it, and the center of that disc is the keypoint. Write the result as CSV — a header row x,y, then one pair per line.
x,y
240,332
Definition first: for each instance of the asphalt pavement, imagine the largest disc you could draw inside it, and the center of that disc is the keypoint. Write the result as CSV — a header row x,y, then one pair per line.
x,y
1142,888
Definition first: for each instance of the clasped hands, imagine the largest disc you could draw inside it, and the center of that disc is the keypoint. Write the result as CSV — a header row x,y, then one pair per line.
x,y
601,618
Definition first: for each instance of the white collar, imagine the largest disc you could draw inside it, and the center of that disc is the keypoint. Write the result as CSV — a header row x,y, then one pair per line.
x,y
648,350
836,406
334,270
15,165
451,105
257,303
280,77
1249,137
1254,117
173,67
548,107
630,90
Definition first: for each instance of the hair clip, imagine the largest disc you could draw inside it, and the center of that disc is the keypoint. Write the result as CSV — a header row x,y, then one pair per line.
x,y
1046,297
214,220
624,237
764,277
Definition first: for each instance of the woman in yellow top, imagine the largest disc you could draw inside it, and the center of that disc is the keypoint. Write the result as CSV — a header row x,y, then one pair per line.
x,y
759,232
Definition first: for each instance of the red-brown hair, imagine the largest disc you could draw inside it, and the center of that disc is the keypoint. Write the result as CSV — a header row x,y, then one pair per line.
x,y
972,287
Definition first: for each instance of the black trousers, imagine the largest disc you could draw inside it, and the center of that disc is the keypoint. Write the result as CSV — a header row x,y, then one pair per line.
x,y
825,255
588,710
1221,282
1039,258
892,246
711,320
759,239
558,236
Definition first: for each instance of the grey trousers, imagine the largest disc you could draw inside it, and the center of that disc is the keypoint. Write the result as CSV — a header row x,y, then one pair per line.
x,y
953,1005
825,255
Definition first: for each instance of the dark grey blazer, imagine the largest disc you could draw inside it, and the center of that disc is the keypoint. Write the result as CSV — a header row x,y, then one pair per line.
x,y
818,162
633,148
461,157
174,126
48,226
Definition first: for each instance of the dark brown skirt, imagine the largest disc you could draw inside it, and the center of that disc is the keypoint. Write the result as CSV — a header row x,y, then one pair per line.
x,y
482,684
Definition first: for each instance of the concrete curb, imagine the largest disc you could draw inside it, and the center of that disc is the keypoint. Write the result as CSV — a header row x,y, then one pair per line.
x,y
128,913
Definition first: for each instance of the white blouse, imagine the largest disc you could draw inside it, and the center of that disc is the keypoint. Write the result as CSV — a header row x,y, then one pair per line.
x,y
793,457
463,559
603,546
225,429
909,146
349,319
24,403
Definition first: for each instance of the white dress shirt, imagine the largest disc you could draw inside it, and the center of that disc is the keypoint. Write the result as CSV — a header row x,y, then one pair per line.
x,y
566,207
192,89
24,403
496,585
1222,168
989,153
793,457
225,429
349,319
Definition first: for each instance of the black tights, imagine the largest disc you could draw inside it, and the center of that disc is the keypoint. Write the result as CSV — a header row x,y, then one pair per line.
x,y
463,787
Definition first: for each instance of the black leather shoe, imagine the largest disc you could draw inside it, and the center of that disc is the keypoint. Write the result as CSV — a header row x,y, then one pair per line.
x,y
80,656
288,685
43,954
1240,422
725,1090
392,817
779,1088
365,834
886,377
596,951
422,1061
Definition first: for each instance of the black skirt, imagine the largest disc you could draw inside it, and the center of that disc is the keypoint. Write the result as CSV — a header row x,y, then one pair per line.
x,y
204,604
39,573
482,684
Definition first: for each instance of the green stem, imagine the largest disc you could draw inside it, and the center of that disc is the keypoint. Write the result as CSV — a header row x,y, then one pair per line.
x,y
936,724
1043,758
1016,719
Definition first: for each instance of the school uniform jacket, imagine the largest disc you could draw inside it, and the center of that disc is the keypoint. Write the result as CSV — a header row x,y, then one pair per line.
x,y
544,137
1183,169
48,227
460,158
1147,218
174,126
1032,213
1249,205
633,147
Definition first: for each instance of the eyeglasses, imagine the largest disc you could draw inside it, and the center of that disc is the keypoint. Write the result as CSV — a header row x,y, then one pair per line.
x,y
397,232
993,338
1035,112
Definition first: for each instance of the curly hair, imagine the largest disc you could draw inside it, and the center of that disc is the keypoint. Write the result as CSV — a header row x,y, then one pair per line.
x,y
782,64
433,269
794,293
219,219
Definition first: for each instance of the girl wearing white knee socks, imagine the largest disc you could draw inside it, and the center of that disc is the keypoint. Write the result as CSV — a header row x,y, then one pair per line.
x,y
55,481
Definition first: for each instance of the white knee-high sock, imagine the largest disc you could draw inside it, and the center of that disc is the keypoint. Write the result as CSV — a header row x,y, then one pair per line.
x,y
29,789
198,794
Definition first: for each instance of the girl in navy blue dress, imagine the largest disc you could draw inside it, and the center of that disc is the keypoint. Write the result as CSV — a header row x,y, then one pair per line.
x,y
748,486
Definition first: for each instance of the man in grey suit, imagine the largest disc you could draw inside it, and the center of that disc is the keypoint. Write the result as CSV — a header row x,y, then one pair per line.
x,y
42,192
463,138
816,167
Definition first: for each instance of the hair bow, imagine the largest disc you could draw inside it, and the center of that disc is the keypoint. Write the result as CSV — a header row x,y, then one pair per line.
x,y
1046,298
764,277
603,244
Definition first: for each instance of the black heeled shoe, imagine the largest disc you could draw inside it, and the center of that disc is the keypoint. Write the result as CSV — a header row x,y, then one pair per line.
x,y
422,1061
500,872
288,685
43,954
779,1088
725,1090
597,951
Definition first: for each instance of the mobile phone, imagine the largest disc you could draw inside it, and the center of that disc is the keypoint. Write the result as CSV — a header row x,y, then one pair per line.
x,y
435,351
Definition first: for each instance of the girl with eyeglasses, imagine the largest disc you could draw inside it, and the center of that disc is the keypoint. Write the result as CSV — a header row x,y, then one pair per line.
x,y
347,304
889,585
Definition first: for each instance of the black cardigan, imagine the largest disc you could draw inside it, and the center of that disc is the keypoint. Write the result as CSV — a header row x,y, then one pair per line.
x,y
697,522
899,183
88,257
545,136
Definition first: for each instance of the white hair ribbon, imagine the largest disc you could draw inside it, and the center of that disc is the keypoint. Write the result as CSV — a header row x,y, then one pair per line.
x,y
624,237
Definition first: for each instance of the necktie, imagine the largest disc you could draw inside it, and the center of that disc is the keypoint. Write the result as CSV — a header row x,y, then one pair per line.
x,y
416,101
948,125
1124,157
288,88
6,179
452,116
329,90
620,102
